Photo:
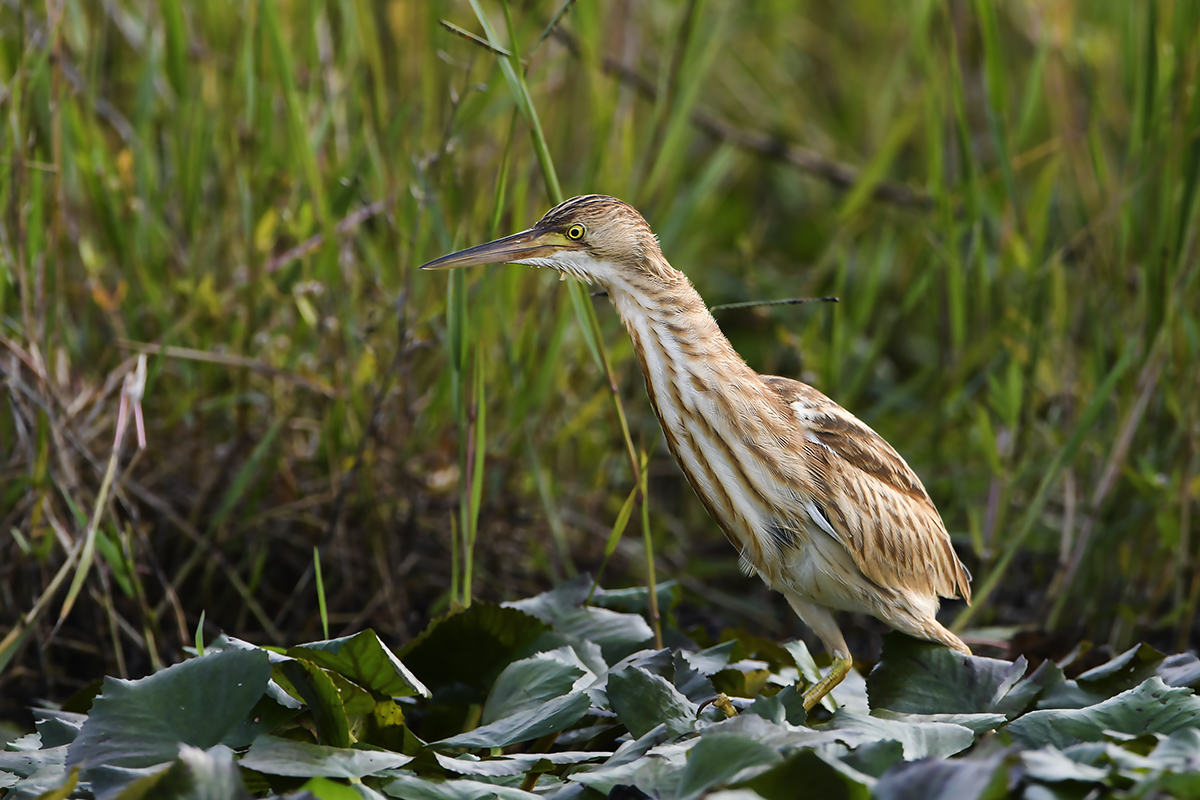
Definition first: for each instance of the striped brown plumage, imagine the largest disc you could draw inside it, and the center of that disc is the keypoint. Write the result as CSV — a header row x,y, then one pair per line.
x,y
816,503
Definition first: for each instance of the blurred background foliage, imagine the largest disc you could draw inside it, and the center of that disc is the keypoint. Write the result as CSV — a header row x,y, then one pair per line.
x,y
1002,195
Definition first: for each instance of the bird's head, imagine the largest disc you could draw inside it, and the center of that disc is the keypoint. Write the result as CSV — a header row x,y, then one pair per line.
x,y
593,237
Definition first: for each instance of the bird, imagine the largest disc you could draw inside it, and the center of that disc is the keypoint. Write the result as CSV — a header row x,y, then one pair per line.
x,y
816,503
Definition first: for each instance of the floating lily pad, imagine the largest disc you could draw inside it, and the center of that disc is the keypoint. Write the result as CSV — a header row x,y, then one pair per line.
x,y
1181,669
324,702
809,774
875,758
954,779
1123,672
618,634
275,756
917,677
57,727
414,788
1180,751
714,659
196,775
691,682
656,772
634,599
365,660
530,682
459,656
919,739
1051,765
1046,678
531,723
976,723
515,764
643,701
142,723
719,758
786,705
25,763
1152,707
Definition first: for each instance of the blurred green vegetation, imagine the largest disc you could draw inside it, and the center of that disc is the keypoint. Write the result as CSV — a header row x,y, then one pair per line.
x,y
1003,197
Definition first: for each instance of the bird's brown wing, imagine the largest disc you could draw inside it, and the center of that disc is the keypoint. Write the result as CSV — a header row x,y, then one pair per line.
x,y
872,499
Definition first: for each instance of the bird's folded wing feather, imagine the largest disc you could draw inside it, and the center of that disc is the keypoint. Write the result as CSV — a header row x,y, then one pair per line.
x,y
875,503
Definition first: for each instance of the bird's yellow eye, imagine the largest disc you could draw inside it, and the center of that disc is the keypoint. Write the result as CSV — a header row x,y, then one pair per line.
x,y
575,232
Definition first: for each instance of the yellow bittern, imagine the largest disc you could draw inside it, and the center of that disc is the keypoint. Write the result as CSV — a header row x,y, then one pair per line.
x,y
817,503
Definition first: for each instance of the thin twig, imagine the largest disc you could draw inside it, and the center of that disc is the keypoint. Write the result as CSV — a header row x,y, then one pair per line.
x,y
228,360
553,26
473,39
790,301
41,166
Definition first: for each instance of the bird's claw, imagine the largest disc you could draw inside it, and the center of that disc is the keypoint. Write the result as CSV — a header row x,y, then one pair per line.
x,y
722,702
816,692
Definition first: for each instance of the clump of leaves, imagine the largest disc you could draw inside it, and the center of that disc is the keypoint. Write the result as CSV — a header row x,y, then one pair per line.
x,y
553,698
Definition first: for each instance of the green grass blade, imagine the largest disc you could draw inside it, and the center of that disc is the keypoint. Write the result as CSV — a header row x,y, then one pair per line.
x,y
199,639
320,592
245,476
614,537
478,441
648,541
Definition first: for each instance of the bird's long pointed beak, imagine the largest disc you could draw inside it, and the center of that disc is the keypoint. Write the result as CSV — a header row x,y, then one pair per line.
x,y
531,243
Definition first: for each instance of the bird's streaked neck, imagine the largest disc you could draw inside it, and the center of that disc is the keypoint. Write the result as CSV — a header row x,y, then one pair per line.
x,y
671,327
660,304
710,404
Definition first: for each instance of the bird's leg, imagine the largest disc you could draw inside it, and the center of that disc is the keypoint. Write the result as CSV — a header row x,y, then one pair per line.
x,y
821,620
841,667
722,702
